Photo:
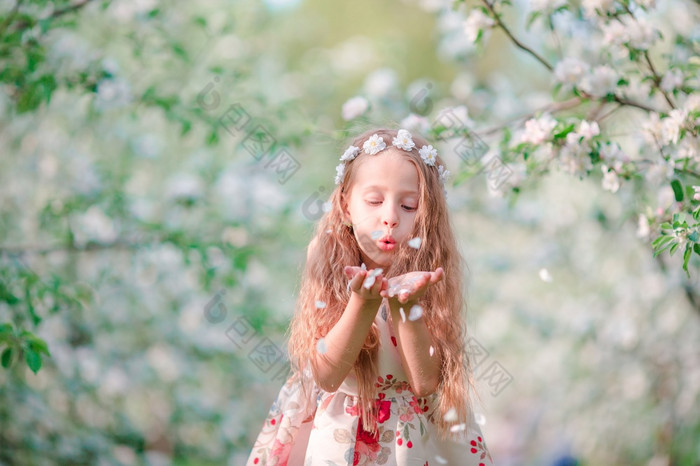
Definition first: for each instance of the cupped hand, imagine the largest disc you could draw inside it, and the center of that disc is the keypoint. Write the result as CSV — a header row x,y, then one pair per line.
x,y
410,287
367,284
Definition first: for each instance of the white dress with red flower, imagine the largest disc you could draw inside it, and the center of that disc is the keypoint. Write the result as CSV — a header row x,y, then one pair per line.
x,y
324,429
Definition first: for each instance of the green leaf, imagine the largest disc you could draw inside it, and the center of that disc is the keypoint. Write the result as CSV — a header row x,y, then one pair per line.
x,y
186,127
696,248
661,240
677,190
566,130
662,249
179,51
38,345
213,138
686,257
6,357
673,248
33,360
666,226
531,19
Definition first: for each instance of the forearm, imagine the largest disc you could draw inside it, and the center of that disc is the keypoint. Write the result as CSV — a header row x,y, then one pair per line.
x,y
343,343
414,340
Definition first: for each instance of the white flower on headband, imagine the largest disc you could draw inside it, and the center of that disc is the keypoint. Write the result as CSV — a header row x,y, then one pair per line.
x,y
428,154
339,173
350,153
403,140
374,145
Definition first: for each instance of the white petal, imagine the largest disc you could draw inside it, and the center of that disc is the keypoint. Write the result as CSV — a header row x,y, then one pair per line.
x,y
320,304
403,314
451,415
458,428
369,281
376,234
363,266
480,419
545,275
327,206
321,346
432,351
440,459
415,313
414,243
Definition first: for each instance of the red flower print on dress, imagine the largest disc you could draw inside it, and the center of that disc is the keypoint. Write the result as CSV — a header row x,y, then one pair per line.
x,y
368,449
478,447
383,410
390,382
353,410
416,405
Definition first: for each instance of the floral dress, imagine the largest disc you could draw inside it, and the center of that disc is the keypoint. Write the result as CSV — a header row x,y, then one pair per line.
x,y
324,429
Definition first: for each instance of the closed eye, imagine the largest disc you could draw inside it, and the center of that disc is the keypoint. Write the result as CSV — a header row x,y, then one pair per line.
x,y
407,208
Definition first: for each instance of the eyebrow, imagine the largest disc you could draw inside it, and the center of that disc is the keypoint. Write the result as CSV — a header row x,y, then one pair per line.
x,y
381,188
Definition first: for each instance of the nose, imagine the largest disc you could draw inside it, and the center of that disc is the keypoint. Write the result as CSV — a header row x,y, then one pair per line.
x,y
390,216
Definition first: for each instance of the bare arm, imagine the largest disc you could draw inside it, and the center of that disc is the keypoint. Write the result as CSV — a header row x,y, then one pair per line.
x,y
342,344
414,342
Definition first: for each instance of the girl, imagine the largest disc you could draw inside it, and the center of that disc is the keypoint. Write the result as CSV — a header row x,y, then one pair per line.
x,y
377,342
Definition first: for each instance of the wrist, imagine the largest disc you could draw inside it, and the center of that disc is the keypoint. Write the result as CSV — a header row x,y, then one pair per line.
x,y
396,308
366,304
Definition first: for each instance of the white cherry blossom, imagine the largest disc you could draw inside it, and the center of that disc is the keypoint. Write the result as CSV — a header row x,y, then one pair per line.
x,y
354,108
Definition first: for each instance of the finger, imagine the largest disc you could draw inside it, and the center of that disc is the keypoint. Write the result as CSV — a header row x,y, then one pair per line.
x,y
423,280
377,287
436,276
385,286
357,280
351,270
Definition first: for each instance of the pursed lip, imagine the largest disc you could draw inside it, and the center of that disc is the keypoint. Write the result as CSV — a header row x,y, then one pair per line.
x,y
386,243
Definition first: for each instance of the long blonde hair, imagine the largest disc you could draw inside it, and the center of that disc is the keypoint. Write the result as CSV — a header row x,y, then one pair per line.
x,y
334,246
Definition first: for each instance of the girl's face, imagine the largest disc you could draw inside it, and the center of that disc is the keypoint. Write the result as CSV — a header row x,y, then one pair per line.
x,y
382,205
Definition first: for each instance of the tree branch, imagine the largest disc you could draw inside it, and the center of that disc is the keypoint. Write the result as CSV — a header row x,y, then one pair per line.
x,y
58,13
623,101
10,17
70,8
656,78
514,39
620,100
552,107
687,172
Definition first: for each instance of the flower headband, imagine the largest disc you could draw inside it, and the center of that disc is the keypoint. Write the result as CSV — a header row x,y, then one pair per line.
x,y
376,144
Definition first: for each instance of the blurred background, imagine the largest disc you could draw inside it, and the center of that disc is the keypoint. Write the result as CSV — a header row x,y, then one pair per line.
x,y
164,164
